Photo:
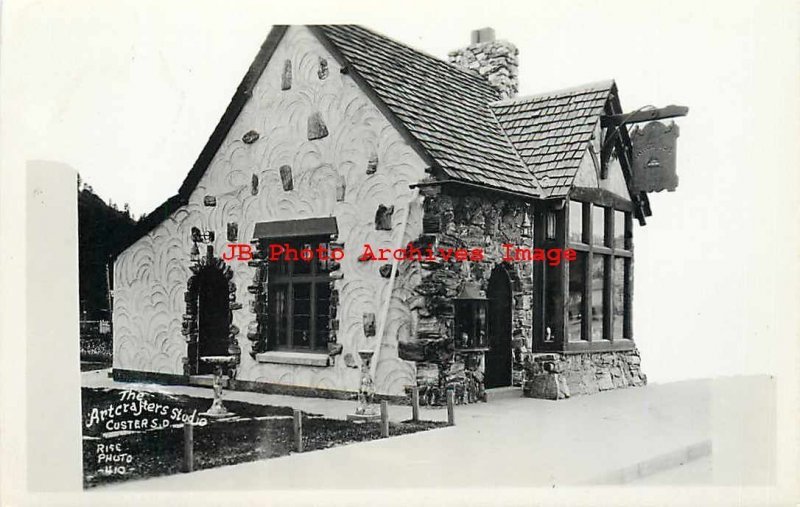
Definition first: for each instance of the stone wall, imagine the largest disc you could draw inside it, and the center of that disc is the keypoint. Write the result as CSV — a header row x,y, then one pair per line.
x,y
558,376
460,219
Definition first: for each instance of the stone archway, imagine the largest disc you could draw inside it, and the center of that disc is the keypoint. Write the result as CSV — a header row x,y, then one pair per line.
x,y
208,322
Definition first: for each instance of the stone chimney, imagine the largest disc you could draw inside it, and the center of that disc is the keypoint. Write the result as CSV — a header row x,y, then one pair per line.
x,y
495,60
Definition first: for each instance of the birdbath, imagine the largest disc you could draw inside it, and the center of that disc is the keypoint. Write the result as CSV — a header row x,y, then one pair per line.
x,y
366,409
217,409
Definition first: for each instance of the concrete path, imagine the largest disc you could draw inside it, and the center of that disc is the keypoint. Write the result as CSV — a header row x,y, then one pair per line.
x,y
613,437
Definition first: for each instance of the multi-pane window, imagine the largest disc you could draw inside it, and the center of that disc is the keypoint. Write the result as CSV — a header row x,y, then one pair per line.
x,y
298,298
600,282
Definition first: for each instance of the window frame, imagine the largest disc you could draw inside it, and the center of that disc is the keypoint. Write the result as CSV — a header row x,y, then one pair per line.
x,y
289,279
609,252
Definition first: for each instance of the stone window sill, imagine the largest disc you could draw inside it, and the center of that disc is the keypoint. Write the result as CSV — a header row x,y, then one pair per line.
x,y
296,358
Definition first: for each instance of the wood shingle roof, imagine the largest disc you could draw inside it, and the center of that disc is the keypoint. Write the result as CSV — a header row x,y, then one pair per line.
x,y
551,131
446,109
452,117
532,145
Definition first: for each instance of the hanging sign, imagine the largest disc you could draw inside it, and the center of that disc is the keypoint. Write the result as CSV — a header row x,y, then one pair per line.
x,y
654,157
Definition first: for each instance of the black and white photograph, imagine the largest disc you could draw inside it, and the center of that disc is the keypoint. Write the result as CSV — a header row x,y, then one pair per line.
x,y
467,253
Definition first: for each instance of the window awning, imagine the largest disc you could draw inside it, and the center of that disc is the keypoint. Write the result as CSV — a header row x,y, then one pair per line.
x,y
323,226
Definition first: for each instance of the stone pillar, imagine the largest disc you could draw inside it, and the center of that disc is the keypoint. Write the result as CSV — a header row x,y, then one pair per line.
x,y
469,221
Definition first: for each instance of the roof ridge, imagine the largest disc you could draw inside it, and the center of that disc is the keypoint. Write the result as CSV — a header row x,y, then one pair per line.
x,y
593,86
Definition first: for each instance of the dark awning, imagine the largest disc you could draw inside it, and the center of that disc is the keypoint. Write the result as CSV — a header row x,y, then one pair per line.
x,y
324,226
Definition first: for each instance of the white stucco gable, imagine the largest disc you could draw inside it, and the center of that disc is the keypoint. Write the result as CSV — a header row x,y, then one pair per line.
x,y
352,162
588,175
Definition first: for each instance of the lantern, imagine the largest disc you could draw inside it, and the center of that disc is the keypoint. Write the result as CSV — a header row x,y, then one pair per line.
x,y
470,318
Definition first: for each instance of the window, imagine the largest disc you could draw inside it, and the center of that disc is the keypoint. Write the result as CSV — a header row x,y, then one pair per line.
x,y
298,298
577,282
552,219
621,298
619,229
600,280
598,225
598,297
575,222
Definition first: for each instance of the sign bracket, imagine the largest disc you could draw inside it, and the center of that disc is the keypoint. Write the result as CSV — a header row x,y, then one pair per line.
x,y
640,116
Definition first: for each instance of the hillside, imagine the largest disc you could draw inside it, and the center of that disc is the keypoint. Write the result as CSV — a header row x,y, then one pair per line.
x,y
101,227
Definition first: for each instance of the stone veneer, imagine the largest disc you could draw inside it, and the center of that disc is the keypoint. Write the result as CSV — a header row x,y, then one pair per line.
x,y
496,61
556,376
189,326
462,220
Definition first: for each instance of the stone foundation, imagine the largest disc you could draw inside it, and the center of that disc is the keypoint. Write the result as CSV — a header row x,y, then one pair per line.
x,y
559,376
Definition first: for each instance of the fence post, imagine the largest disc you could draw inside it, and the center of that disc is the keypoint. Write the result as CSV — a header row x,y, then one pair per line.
x,y
415,403
298,430
384,418
188,447
451,416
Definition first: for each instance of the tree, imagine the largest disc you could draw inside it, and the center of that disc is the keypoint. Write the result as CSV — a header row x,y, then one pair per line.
x,y
101,230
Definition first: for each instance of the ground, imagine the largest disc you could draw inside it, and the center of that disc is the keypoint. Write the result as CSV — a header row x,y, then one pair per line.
x,y
713,432
137,435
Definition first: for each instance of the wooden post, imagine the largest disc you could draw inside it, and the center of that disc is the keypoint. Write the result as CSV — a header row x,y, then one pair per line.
x,y
298,430
451,398
415,403
384,418
188,447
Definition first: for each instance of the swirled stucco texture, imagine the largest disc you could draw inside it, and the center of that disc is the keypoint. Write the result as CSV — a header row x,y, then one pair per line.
x,y
356,155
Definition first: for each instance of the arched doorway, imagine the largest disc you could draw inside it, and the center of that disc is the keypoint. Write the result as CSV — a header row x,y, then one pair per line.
x,y
213,316
498,359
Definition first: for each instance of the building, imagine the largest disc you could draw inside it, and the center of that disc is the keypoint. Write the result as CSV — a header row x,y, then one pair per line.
x,y
338,137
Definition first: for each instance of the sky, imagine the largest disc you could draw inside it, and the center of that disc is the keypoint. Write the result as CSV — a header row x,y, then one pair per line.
x,y
127,93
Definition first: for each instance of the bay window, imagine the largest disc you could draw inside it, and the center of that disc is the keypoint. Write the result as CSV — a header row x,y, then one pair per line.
x,y
600,280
